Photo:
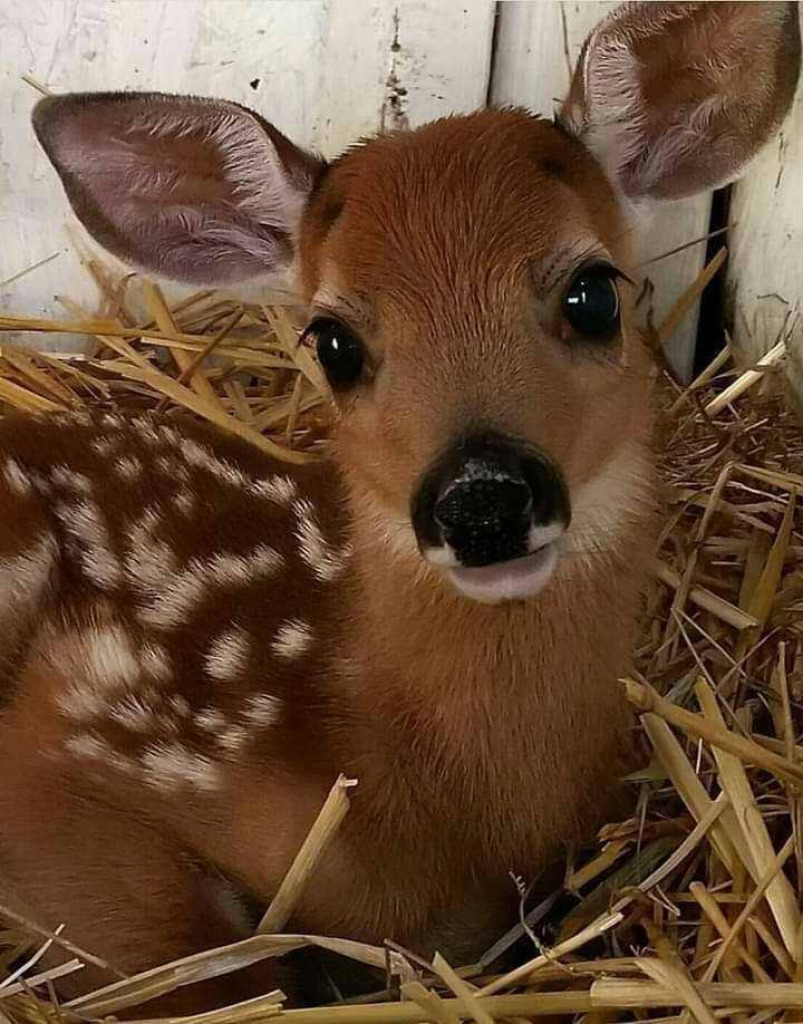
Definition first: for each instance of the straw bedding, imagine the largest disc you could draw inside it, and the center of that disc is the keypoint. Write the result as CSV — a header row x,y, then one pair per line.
x,y
689,910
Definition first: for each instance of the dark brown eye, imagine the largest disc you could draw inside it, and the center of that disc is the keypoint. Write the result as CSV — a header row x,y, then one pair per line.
x,y
591,303
340,351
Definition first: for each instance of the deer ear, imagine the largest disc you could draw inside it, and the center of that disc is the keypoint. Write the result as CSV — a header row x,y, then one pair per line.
x,y
198,190
674,98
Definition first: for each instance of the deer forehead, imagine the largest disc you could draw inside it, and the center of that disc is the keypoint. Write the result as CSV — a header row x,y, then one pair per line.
x,y
454,205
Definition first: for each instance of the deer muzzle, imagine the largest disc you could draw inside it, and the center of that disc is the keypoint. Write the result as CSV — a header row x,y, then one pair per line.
x,y
490,513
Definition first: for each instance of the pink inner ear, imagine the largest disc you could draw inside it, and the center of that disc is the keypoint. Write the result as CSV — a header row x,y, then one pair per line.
x,y
189,188
675,98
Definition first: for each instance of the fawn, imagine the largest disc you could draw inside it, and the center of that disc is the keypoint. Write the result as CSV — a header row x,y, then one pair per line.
x,y
196,639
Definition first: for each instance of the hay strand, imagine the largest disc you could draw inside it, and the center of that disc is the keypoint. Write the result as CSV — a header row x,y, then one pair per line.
x,y
321,834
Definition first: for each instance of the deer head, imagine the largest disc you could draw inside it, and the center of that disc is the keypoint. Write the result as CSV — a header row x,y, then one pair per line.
x,y
466,282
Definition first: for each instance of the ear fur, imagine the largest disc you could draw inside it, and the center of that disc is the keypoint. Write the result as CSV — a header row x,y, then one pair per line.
x,y
674,98
195,189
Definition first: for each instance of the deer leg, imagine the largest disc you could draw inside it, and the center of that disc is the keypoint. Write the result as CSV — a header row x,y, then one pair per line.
x,y
120,886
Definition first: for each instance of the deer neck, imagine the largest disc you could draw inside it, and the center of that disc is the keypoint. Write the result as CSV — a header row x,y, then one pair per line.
x,y
475,695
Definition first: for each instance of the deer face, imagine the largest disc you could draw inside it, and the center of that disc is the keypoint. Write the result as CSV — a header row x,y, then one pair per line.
x,y
465,281
467,302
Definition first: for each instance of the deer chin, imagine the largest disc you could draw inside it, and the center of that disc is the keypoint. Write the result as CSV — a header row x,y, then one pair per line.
x,y
515,580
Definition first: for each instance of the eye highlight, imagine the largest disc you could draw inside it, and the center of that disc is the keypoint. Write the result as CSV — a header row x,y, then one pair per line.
x,y
340,351
591,302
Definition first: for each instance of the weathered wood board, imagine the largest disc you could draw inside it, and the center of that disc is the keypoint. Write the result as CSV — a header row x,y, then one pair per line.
x,y
765,274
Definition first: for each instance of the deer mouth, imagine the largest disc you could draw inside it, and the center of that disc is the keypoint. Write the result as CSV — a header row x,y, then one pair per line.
x,y
515,579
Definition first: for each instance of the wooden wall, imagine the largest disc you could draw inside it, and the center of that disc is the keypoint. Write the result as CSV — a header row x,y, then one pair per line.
x,y
326,71
765,279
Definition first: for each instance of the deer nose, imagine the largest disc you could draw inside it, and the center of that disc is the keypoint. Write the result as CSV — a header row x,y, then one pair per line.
x,y
488,500
486,519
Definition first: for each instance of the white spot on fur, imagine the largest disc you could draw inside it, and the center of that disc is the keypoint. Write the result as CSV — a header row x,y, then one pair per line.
x,y
180,705
262,561
133,713
184,501
326,562
211,720
155,662
171,726
262,709
172,607
232,738
67,478
281,489
169,767
24,579
100,662
293,640
110,420
88,747
84,522
146,431
129,468
171,435
148,560
227,656
174,468
40,482
204,458
18,482
104,446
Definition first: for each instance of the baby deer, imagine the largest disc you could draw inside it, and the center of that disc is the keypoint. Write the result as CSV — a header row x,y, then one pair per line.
x,y
196,640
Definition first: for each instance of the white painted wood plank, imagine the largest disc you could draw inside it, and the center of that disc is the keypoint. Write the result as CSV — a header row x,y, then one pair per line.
x,y
324,71
395,65
537,43
765,273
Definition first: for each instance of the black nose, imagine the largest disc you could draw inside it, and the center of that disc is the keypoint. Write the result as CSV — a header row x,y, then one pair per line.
x,y
484,495
486,518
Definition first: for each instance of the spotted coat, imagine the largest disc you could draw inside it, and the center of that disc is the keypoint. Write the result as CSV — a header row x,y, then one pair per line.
x,y
160,585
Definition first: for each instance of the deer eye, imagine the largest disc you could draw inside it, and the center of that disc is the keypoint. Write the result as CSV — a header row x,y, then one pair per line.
x,y
339,350
591,303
